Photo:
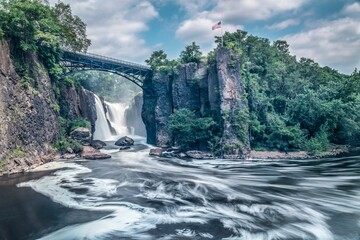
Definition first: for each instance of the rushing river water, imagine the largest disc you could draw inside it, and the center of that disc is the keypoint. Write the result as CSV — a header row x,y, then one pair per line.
x,y
134,196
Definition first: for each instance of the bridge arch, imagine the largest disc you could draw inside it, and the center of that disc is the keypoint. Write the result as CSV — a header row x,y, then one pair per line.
x,y
77,62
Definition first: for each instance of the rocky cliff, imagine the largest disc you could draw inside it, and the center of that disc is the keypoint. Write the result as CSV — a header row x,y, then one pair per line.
x,y
206,89
77,103
29,117
30,112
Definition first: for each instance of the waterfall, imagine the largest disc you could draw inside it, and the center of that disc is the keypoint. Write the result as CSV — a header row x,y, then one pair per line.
x,y
116,116
102,129
110,124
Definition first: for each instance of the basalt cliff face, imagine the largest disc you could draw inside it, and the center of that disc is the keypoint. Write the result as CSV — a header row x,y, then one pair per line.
x,y
77,103
29,120
30,113
202,88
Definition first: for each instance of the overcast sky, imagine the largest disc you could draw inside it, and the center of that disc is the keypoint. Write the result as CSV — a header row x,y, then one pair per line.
x,y
327,31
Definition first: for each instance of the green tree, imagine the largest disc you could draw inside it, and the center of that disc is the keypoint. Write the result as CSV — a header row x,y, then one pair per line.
x,y
73,29
291,100
191,54
156,59
188,130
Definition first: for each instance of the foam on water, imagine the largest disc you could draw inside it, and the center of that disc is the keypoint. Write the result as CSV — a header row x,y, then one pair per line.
x,y
246,200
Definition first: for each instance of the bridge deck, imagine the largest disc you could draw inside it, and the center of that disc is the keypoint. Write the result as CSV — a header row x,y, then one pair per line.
x,y
97,62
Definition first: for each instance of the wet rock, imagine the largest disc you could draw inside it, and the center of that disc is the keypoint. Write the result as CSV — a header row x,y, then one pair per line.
x,y
124,141
69,150
199,155
98,144
93,154
156,152
124,148
81,134
68,156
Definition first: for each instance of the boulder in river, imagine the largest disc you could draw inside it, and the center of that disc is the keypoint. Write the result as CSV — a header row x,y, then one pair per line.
x,y
156,152
93,154
124,141
98,144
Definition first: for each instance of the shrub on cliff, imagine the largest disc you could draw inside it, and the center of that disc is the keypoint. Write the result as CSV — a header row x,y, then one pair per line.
x,y
191,54
79,123
188,130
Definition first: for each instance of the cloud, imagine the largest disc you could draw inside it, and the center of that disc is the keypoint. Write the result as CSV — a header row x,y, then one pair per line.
x,y
192,7
233,13
352,10
115,27
199,30
333,43
250,10
284,24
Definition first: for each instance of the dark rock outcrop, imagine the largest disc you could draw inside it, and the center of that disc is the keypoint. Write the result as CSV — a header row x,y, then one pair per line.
x,y
157,109
81,134
77,103
233,105
87,107
124,141
98,144
29,118
214,89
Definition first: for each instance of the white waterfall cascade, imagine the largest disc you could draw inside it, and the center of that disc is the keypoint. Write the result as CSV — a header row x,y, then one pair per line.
x,y
102,129
110,125
116,116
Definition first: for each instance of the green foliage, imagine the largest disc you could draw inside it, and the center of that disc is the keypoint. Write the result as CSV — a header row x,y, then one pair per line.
x,y
289,100
56,108
64,144
34,27
241,124
189,130
284,137
16,153
3,164
72,29
158,61
79,123
157,58
191,54
319,143
69,81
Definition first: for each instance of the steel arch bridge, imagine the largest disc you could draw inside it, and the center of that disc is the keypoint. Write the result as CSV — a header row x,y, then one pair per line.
x,y
76,62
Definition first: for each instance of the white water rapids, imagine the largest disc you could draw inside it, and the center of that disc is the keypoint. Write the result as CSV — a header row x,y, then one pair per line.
x,y
155,198
135,196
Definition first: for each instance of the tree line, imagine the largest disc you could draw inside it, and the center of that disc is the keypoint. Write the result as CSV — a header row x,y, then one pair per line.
x,y
293,104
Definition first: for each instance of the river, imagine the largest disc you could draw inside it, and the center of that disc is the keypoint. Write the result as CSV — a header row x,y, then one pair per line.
x,y
135,196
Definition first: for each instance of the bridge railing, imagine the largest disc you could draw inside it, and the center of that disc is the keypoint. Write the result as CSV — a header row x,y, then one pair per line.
x,y
100,57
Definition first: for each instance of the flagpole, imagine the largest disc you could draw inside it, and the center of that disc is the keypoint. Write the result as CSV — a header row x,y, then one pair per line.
x,y
222,37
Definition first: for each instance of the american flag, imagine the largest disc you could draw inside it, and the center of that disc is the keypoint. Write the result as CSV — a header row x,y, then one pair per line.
x,y
216,26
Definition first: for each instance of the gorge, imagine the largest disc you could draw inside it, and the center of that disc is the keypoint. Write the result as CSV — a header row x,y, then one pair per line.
x,y
246,142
